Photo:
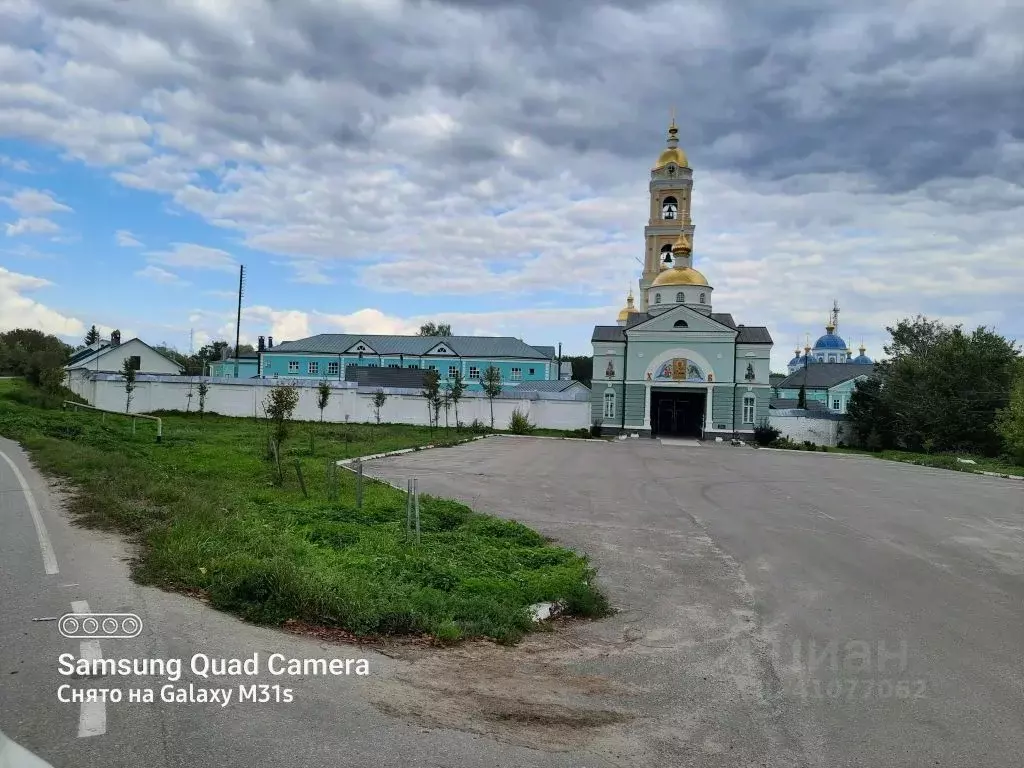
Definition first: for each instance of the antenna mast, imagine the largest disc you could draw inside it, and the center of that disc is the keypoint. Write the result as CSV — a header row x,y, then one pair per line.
x,y
238,318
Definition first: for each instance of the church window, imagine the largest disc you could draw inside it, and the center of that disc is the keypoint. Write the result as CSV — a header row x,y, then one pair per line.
x,y
702,297
474,372
748,409
666,254
669,208
680,297
517,374
680,324
609,404
657,298
452,371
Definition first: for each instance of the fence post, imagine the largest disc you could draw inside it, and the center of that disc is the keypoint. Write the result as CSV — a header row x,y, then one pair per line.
x,y
302,482
359,486
416,503
133,426
408,509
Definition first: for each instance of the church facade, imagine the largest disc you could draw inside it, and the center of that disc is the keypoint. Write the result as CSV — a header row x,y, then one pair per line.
x,y
671,365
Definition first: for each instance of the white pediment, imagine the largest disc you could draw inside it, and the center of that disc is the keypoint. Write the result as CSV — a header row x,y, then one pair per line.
x,y
360,346
681,319
444,348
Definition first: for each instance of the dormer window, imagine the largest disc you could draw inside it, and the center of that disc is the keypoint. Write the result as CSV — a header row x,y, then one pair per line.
x,y
680,324
442,350
360,348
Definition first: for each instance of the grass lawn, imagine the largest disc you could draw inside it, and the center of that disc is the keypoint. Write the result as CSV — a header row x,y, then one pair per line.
x,y
209,516
942,460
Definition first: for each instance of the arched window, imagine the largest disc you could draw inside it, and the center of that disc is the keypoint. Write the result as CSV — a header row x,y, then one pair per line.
x,y
609,404
669,208
702,298
680,298
666,254
680,324
657,298
749,406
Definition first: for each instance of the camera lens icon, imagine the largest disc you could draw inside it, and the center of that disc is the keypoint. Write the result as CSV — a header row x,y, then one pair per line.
x,y
99,626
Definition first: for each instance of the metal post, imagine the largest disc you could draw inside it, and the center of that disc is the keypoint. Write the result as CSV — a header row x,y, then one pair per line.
x,y
133,426
416,505
408,509
359,486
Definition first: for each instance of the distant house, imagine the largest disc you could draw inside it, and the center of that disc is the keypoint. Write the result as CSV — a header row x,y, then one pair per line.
x,y
827,384
108,356
329,355
248,366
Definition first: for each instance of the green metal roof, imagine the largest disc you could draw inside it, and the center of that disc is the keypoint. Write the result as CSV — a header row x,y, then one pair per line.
x,y
462,346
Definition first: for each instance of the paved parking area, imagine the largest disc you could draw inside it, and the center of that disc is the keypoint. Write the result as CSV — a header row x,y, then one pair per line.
x,y
774,608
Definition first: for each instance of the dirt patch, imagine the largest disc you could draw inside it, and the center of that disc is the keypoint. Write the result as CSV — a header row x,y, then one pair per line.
x,y
537,694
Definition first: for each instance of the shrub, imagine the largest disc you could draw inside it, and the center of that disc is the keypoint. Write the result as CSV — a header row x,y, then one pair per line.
x,y
765,434
583,432
477,427
520,424
595,428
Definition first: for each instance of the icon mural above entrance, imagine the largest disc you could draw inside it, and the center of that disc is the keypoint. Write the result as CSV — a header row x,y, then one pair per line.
x,y
679,369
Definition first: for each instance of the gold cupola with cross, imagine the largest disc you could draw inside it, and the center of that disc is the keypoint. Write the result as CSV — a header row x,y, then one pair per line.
x,y
670,190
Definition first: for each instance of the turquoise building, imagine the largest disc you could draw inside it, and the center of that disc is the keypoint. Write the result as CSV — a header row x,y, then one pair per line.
x,y
327,355
248,367
674,366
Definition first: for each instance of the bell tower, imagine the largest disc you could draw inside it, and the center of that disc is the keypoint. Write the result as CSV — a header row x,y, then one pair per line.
x,y
670,193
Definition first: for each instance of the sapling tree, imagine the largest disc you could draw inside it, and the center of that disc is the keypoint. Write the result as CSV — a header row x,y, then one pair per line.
x,y
379,398
128,371
491,383
456,388
432,394
279,405
202,390
323,395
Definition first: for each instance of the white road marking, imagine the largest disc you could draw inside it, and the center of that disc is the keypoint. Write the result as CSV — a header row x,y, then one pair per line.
x,y
92,719
49,558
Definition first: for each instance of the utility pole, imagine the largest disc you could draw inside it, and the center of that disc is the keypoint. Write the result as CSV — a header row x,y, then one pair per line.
x,y
558,375
238,319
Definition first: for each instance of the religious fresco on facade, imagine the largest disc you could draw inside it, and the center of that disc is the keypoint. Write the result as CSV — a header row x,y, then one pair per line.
x,y
680,369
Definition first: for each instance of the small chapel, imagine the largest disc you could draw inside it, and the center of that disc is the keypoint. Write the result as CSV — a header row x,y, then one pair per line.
x,y
672,366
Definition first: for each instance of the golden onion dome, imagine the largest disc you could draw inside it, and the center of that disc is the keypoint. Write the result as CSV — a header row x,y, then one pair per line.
x,y
672,155
629,309
680,276
682,244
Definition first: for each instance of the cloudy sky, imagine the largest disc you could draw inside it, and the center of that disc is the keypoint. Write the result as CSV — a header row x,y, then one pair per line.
x,y
378,163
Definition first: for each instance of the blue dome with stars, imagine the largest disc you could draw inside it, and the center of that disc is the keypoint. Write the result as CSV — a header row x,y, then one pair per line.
x,y
830,341
862,359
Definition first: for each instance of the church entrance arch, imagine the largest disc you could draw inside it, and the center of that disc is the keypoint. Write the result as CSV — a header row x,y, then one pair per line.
x,y
678,412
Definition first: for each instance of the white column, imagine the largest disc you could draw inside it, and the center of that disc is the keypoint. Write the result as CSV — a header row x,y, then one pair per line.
x,y
708,420
647,405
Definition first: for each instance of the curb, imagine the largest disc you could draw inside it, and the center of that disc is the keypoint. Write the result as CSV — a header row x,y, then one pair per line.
x,y
400,452
552,437
897,461
997,474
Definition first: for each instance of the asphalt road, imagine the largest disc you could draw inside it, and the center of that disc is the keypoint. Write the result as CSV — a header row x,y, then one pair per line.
x,y
754,591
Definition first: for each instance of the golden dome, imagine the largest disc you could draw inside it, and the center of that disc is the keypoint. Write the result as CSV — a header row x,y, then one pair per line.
x,y
682,244
629,309
672,155
680,276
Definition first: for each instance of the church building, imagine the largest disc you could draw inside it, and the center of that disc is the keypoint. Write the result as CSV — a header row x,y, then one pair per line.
x,y
672,366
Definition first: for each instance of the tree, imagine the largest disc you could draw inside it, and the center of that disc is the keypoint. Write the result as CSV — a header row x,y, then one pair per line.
x,y
456,389
868,417
435,329
801,397
323,395
92,336
279,405
379,398
28,352
172,354
202,389
446,401
128,371
1010,420
491,384
582,367
431,392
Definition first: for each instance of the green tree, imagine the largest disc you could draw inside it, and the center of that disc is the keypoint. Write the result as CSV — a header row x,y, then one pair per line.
x,y
92,336
279,405
172,354
379,398
128,371
323,395
435,329
456,389
202,391
582,367
1010,420
801,397
870,423
431,393
491,384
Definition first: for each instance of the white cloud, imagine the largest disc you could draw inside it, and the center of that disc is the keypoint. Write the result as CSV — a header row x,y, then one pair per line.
x,y
31,226
126,239
15,164
193,256
19,311
309,272
34,202
158,275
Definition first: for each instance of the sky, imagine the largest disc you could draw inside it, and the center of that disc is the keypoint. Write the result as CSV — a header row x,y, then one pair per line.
x,y
376,164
